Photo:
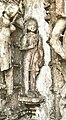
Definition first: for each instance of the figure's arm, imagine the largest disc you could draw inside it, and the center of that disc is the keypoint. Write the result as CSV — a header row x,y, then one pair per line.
x,y
54,41
28,41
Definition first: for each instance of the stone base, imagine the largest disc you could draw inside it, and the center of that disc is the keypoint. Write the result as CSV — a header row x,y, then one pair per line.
x,y
31,103
31,100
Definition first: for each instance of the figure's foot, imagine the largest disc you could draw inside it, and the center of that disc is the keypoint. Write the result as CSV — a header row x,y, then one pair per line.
x,y
22,93
33,94
37,93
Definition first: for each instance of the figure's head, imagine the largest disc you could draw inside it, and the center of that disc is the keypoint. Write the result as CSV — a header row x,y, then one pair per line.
x,y
31,25
11,10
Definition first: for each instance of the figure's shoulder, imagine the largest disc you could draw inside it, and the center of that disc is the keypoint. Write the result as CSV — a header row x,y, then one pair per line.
x,y
30,37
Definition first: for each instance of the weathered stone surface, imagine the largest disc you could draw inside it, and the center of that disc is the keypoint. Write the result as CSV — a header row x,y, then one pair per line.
x,y
55,39
32,68
59,7
58,65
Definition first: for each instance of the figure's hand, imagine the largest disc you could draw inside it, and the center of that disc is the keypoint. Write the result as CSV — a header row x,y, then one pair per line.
x,y
12,28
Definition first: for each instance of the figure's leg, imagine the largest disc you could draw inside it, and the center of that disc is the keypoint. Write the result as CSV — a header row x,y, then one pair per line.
x,y
32,80
34,74
33,77
26,66
2,81
9,80
33,92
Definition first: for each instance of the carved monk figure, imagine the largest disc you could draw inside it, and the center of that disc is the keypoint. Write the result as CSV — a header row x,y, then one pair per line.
x,y
33,55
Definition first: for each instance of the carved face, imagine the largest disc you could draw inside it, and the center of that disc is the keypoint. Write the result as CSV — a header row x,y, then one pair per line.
x,y
11,10
32,25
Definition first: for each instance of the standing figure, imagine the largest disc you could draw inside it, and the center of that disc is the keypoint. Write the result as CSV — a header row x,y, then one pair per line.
x,y
5,43
32,55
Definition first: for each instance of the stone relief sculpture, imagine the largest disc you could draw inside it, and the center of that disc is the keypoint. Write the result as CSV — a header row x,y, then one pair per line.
x,y
28,59
6,28
29,62
58,43
33,55
59,30
8,18
55,39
